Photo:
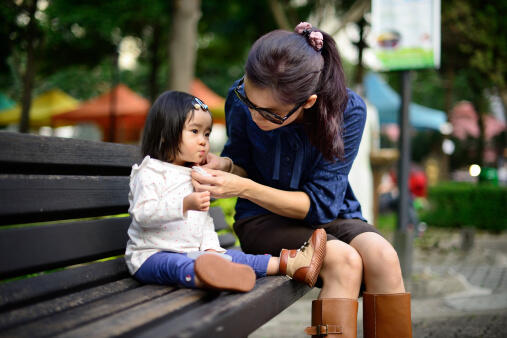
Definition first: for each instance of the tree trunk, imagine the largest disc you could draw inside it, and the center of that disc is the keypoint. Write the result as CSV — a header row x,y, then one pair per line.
x,y
182,45
154,63
26,98
279,14
449,90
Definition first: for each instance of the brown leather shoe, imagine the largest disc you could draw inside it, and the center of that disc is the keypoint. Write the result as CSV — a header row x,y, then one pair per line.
x,y
217,273
304,264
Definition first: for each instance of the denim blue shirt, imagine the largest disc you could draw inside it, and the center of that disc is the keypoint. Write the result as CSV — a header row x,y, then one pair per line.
x,y
285,159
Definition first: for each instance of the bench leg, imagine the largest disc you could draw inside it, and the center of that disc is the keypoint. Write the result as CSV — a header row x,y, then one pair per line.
x,y
333,317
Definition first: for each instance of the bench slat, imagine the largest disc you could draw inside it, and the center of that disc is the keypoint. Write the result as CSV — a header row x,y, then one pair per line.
x,y
126,321
227,240
32,312
231,315
19,292
218,218
38,248
22,153
33,198
91,312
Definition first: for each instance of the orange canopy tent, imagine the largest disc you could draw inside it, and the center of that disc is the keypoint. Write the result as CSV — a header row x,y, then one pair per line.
x,y
215,102
121,108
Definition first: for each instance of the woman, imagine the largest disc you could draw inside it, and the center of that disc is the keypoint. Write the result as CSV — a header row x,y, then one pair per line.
x,y
294,130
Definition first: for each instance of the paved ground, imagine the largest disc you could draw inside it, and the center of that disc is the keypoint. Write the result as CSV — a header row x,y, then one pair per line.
x,y
455,293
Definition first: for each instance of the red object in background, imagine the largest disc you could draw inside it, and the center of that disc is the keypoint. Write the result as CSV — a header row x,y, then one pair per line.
x,y
130,111
417,183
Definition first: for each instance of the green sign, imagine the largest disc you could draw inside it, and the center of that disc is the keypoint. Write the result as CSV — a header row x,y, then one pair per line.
x,y
406,33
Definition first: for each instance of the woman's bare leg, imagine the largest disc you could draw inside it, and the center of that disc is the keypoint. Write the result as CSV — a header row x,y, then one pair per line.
x,y
382,272
341,271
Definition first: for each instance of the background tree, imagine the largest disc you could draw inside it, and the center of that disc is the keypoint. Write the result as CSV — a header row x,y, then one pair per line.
x,y
182,48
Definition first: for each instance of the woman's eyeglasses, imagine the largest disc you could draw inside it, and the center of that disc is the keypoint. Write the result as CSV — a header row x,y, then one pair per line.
x,y
265,112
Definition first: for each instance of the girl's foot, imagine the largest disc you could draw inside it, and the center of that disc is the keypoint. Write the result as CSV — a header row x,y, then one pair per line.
x,y
217,273
304,263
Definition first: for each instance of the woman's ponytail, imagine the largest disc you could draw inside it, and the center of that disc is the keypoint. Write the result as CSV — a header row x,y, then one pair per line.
x,y
323,122
296,65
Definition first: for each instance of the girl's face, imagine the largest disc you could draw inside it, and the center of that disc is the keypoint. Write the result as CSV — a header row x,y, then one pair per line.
x,y
263,97
194,144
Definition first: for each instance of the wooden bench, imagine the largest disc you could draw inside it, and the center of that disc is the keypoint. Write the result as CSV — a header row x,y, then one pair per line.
x,y
62,237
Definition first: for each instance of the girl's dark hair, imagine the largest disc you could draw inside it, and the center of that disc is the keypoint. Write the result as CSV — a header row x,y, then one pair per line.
x,y
288,65
164,125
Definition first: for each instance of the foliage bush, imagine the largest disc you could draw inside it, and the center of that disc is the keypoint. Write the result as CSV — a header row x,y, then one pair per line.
x,y
454,204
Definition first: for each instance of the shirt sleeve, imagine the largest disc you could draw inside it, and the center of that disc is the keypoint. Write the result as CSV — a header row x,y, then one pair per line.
x,y
152,203
237,146
210,237
328,182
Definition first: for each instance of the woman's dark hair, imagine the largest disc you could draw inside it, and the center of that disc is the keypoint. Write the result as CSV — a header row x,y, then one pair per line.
x,y
164,125
287,64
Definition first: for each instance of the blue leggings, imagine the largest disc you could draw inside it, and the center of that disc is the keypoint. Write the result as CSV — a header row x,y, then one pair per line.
x,y
170,268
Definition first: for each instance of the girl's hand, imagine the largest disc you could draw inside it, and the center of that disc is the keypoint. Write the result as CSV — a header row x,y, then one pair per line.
x,y
220,184
198,201
218,163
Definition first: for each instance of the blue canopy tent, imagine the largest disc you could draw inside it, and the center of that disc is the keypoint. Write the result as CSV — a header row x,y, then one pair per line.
x,y
5,102
388,102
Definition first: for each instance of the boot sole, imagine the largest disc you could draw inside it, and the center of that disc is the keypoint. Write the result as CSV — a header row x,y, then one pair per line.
x,y
318,257
217,273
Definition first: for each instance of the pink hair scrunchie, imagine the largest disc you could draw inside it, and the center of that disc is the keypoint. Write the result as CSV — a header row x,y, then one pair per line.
x,y
303,26
315,38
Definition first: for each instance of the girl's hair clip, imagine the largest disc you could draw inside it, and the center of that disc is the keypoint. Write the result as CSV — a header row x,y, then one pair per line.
x,y
199,104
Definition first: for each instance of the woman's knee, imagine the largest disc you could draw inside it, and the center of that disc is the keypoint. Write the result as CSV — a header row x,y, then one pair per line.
x,y
383,258
342,261
383,265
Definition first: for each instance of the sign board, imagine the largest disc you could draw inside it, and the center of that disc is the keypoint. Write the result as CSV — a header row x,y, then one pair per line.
x,y
406,33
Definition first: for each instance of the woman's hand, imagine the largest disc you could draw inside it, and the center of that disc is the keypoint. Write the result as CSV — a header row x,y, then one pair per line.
x,y
292,204
220,184
218,163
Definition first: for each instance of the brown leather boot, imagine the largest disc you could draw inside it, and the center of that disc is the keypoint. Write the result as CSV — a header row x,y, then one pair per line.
x,y
387,315
304,263
333,317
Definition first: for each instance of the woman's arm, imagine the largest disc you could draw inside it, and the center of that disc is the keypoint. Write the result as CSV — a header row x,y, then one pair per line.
x,y
292,204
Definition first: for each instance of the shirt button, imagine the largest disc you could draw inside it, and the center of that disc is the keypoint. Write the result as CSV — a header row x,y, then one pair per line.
x,y
287,159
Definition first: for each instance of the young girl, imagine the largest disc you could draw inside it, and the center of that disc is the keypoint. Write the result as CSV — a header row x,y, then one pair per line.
x,y
170,224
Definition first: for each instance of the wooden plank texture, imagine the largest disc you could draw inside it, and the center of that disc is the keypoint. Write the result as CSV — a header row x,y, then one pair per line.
x,y
125,321
92,312
22,153
29,290
227,240
37,248
59,304
230,315
218,218
32,198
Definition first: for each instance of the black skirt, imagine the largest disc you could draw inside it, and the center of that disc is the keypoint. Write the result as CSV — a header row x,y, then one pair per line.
x,y
269,234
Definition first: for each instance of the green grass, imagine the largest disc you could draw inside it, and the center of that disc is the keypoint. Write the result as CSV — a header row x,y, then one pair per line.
x,y
386,223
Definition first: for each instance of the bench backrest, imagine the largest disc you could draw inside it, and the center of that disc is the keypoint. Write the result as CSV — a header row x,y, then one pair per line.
x,y
60,200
